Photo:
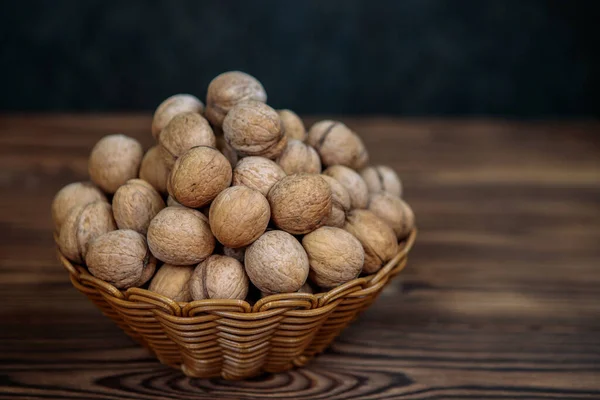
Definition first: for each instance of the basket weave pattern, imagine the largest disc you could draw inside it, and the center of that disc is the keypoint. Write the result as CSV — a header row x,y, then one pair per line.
x,y
231,338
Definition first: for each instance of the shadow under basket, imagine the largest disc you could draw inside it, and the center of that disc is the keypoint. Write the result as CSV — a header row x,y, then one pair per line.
x,y
231,338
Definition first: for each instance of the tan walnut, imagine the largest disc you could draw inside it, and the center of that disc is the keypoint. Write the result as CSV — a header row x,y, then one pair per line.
x,y
173,282
257,173
173,106
73,195
154,170
381,178
219,277
293,125
340,203
298,157
135,204
114,160
337,144
186,130
394,211
352,182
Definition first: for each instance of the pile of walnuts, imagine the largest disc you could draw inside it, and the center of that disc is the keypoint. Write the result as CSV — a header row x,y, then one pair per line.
x,y
233,194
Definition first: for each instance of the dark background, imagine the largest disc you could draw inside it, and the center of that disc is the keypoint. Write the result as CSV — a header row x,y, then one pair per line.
x,y
418,57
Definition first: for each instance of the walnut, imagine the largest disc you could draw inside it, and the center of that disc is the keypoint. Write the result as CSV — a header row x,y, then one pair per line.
x,y
377,238
238,253
335,256
73,195
198,176
229,89
337,144
173,106
299,157
219,277
135,204
121,258
340,203
394,211
154,170
382,179
180,236
300,203
83,224
186,130
238,216
274,151
277,263
352,182
114,160
293,125
254,129
173,282
257,173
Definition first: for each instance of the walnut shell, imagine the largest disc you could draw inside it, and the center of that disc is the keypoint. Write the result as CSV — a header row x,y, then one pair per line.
x,y
173,282
135,204
229,89
154,170
219,277
198,176
298,157
335,256
173,106
352,182
340,203
381,178
186,130
238,253
73,195
394,211
276,263
238,216
300,203
274,151
337,144
257,173
253,129
114,160
377,238
292,125
180,236
83,224
120,258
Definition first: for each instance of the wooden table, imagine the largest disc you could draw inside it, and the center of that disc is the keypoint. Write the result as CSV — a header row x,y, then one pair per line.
x,y
501,298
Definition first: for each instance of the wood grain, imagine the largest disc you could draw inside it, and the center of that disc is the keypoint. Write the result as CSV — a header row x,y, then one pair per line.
x,y
501,298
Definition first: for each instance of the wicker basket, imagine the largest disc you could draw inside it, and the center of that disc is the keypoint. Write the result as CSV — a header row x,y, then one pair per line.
x,y
231,338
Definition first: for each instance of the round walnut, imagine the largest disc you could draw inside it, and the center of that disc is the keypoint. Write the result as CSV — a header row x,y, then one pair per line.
x,y
186,130
277,263
173,106
382,179
180,236
377,238
337,144
135,204
335,256
154,170
394,211
73,195
219,277
253,129
229,89
198,176
293,125
83,224
121,258
300,203
173,282
114,160
340,203
257,173
352,182
299,157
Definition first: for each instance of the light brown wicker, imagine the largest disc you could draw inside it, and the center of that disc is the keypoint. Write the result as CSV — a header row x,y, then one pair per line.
x,y
231,338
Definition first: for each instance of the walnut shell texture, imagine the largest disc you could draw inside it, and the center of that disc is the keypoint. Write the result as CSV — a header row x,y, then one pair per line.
x,y
352,182
377,238
335,256
180,236
337,144
173,106
186,130
135,204
154,170
238,216
300,203
277,263
198,176
340,203
275,151
394,211
73,195
381,178
298,157
119,258
219,277
173,282
292,125
114,160
257,173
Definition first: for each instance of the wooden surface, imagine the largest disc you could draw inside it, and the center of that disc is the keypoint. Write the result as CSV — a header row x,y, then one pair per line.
x,y
501,298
